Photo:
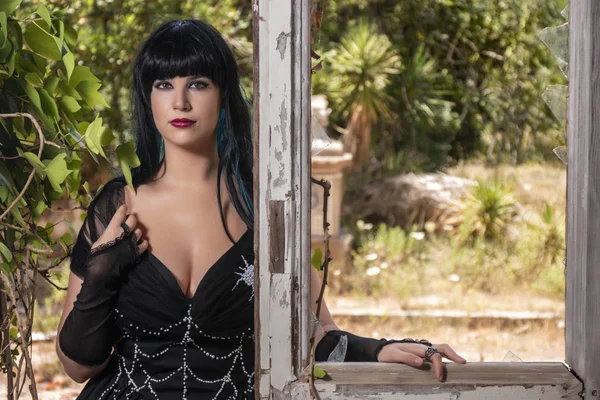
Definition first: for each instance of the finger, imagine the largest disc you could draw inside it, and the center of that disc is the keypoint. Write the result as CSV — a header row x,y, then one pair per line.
x,y
450,354
398,356
138,234
438,366
131,222
119,216
143,246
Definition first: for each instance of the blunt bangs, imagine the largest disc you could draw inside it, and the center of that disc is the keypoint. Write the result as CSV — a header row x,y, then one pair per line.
x,y
183,48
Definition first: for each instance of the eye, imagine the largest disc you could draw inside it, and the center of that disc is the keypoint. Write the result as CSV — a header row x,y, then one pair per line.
x,y
162,85
199,84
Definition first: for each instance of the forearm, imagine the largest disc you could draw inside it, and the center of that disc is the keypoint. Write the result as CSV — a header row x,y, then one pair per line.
x,y
86,336
78,372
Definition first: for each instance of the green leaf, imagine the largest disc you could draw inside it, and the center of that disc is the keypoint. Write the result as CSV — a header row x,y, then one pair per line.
x,y
40,63
6,179
39,209
11,63
34,79
80,74
65,241
317,258
51,83
27,63
8,6
70,36
5,50
16,214
6,254
57,171
69,104
3,193
42,11
41,42
128,159
319,372
61,31
91,95
13,333
4,26
69,61
32,94
48,104
92,136
6,268
68,90
18,33
39,166
106,136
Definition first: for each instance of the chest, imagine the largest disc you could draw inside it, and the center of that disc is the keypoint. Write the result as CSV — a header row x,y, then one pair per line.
x,y
150,300
185,233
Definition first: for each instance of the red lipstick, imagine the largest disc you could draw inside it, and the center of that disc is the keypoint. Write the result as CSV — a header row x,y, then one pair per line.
x,y
182,122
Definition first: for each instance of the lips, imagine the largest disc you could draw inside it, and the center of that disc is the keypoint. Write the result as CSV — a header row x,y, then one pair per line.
x,y
182,122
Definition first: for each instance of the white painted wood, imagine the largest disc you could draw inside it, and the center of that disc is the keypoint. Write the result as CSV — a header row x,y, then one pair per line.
x,y
282,206
583,196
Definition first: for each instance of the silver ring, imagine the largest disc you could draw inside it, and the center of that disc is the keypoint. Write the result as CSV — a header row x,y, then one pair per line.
x,y
430,352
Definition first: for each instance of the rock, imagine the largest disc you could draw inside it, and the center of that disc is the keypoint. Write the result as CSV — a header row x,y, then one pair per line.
x,y
408,200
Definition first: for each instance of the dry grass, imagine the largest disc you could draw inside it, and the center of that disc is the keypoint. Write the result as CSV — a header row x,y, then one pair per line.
x,y
534,185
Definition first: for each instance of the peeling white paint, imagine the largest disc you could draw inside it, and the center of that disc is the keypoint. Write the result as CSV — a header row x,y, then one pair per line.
x,y
301,391
281,331
282,40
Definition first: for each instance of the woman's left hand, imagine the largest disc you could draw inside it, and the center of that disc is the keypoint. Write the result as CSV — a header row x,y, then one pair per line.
x,y
414,353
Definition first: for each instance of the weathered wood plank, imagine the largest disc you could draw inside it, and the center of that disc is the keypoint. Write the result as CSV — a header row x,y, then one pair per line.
x,y
282,200
481,374
497,381
583,196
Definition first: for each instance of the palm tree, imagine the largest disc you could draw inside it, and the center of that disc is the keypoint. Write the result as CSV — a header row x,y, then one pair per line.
x,y
361,66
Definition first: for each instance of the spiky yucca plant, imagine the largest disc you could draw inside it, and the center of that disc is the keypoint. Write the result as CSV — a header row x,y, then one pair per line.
x,y
488,206
360,70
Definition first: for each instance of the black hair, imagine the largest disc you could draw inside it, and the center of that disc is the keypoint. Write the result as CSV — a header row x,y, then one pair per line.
x,y
195,48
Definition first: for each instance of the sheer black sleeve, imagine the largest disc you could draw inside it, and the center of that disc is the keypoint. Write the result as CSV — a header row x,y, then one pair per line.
x,y
86,336
100,211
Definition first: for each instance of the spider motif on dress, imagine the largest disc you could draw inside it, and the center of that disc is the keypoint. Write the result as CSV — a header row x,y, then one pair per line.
x,y
246,275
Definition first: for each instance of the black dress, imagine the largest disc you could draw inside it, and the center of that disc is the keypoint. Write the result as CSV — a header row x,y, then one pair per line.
x,y
168,346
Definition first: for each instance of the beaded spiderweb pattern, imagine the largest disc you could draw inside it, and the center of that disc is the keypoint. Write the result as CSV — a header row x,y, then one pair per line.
x,y
186,330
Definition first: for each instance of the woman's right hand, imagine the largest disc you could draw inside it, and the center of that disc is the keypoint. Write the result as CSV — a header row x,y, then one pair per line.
x,y
114,231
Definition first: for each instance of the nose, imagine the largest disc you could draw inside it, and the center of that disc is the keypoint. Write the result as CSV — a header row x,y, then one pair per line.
x,y
181,101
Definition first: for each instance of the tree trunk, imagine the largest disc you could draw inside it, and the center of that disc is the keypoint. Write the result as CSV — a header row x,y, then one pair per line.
x,y
357,140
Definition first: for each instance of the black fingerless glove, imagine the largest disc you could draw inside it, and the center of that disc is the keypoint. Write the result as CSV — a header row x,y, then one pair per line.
x,y
86,335
358,348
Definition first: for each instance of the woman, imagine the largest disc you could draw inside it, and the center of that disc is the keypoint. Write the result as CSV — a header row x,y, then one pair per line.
x,y
163,275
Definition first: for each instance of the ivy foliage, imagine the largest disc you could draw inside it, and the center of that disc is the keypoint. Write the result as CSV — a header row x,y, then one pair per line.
x,y
50,106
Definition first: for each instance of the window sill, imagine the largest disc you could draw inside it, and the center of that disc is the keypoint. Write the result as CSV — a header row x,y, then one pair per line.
x,y
490,381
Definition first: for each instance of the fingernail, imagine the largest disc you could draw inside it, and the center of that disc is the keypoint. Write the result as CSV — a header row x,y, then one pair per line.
x,y
417,360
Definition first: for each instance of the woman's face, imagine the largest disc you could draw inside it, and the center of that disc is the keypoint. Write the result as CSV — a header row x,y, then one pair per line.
x,y
186,110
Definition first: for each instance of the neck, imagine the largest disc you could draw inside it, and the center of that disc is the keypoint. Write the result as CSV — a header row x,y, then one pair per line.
x,y
187,168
